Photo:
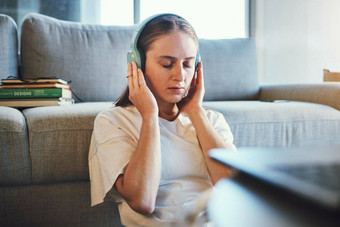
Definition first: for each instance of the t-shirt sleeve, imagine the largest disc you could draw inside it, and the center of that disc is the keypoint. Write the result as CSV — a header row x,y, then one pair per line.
x,y
222,127
110,151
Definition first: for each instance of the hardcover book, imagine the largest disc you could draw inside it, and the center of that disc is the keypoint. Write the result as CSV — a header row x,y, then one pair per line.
x,y
39,80
9,93
35,102
36,85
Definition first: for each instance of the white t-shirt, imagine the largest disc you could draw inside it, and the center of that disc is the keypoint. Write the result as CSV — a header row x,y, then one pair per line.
x,y
184,174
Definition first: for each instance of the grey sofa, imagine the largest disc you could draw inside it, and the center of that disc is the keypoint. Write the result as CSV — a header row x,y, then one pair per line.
x,y
44,179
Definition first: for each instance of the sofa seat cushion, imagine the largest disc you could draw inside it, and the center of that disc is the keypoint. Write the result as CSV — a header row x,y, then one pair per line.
x,y
272,124
59,138
15,164
93,57
8,47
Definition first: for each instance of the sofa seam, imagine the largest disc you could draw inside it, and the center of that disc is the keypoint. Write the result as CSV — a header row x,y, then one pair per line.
x,y
87,28
29,146
59,130
278,122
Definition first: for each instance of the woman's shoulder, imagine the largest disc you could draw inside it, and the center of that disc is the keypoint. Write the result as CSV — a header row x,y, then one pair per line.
x,y
118,114
116,111
126,120
213,114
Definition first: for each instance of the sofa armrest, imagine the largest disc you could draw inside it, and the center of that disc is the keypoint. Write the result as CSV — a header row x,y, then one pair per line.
x,y
322,93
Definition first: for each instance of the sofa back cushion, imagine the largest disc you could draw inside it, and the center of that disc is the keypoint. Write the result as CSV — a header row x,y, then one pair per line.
x,y
230,69
93,57
8,47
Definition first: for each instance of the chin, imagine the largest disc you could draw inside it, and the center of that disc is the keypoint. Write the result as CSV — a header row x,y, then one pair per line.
x,y
175,99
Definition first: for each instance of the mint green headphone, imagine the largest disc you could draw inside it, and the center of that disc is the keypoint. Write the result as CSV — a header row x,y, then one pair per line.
x,y
135,55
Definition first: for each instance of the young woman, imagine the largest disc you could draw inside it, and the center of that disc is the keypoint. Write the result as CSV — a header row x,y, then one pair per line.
x,y
150,151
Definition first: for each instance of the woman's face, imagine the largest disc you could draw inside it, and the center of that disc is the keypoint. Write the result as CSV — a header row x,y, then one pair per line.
x,y
170,66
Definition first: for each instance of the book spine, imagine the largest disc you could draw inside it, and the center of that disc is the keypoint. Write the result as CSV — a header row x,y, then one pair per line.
x,y
18,93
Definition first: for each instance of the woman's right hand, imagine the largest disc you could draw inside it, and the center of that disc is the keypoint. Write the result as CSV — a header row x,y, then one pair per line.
x,y
139,93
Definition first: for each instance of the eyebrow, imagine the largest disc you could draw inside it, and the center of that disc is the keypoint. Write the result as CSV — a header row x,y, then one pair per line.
x,y
173,58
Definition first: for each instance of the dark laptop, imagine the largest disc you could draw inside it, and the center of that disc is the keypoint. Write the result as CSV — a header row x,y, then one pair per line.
x,y
311,173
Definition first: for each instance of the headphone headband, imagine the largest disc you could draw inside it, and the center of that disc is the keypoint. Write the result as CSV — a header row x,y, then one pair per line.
x,y
135,55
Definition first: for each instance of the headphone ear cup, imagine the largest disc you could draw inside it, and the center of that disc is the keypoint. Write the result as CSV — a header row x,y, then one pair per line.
x,y
134,55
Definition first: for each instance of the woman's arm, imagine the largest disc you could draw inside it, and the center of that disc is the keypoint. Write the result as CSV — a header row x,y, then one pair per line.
x,y
139,183
208,138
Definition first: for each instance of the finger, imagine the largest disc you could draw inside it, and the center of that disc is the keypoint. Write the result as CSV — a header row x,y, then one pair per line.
x,y
193,81
129,75
199,79
141,80
135,75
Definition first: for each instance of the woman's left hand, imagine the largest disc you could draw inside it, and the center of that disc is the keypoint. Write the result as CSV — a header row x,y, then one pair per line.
x,y
193,101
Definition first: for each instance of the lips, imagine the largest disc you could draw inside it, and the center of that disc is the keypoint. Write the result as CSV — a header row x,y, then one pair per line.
x,y
176,89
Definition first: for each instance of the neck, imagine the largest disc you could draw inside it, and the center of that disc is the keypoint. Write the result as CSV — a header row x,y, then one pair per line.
x,y
169,112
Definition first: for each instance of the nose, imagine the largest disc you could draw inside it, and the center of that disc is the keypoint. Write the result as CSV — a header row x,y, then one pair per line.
x,y
178,73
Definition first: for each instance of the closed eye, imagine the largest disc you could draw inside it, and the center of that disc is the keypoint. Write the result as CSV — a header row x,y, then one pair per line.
x,y
188,66
167,66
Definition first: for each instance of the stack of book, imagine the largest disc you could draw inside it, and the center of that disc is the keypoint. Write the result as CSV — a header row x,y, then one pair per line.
x,y
35,92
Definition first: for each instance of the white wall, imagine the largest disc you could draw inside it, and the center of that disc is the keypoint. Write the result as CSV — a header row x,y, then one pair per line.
x,y
297,39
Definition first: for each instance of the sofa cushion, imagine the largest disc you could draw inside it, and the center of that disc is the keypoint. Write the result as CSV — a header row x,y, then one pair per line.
x,y
230,69
93,57
8,47
15,163
280,124
62,204
59,138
